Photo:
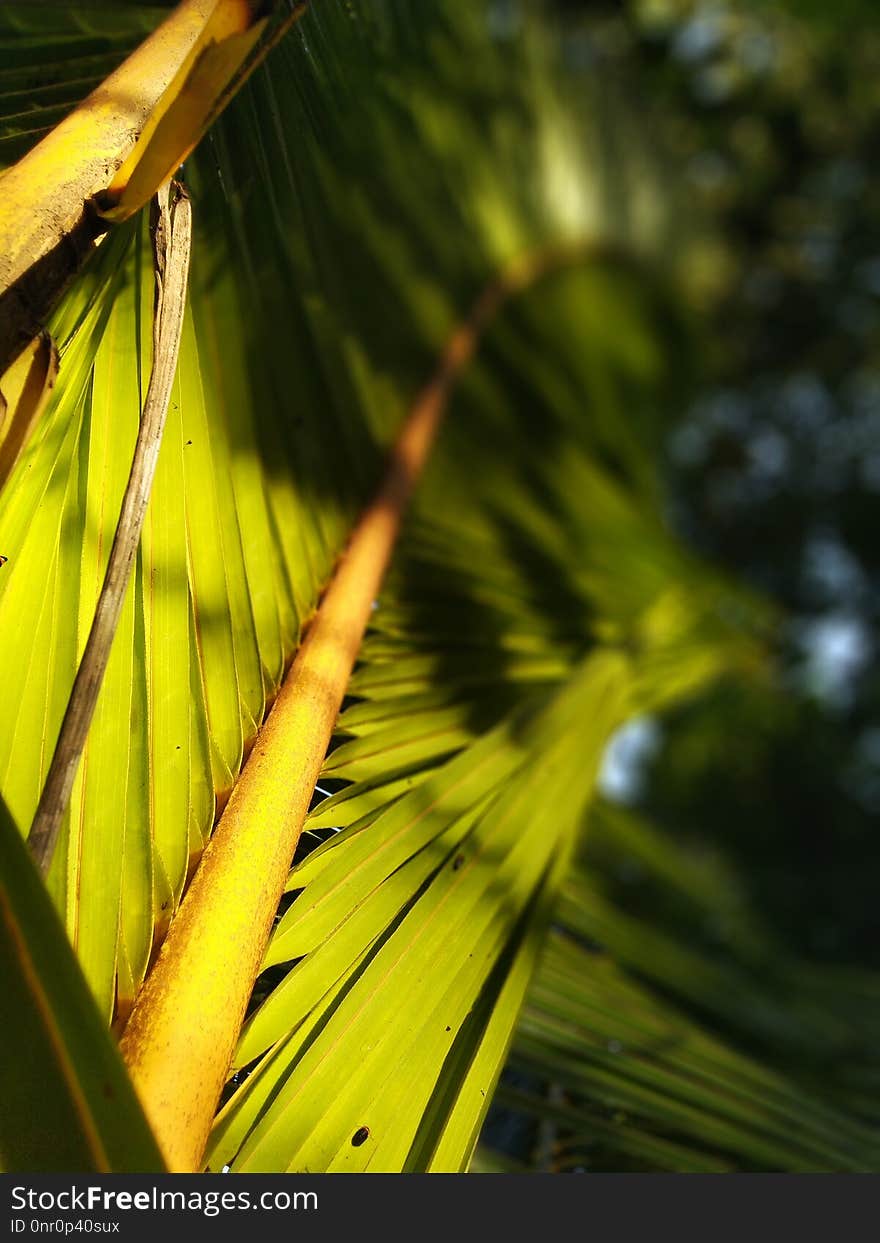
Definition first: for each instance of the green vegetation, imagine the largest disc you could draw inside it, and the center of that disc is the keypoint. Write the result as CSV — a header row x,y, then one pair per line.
x,y
468,918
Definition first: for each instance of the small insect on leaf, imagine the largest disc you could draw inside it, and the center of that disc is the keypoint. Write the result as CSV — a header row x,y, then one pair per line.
x,y
360,1136
3,560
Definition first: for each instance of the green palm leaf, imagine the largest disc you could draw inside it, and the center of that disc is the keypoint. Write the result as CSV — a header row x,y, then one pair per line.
x,y
629,1036
68,1104
348,205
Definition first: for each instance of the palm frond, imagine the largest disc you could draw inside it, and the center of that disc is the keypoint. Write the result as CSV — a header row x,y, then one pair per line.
x,y
645,1045
246,468
348,205
508,645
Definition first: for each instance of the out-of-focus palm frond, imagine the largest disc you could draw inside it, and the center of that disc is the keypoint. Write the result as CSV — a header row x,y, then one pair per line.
x,y
689,1041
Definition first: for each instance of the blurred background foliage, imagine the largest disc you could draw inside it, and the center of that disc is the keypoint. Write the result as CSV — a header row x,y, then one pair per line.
x,y
768,119
774,468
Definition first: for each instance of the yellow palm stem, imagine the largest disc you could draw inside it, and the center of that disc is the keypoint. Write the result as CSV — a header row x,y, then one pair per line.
x,y
106,159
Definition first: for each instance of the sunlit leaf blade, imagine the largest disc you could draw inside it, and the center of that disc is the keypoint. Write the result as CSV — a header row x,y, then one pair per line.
x,y
39,515
439,939
104,818
451,1126
181,794
67,1101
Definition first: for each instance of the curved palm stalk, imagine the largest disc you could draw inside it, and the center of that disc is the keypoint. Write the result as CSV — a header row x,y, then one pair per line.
x,y
180,1037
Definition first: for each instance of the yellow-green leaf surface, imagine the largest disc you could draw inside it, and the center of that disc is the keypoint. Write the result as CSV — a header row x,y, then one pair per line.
x,y
452,901
67,1101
